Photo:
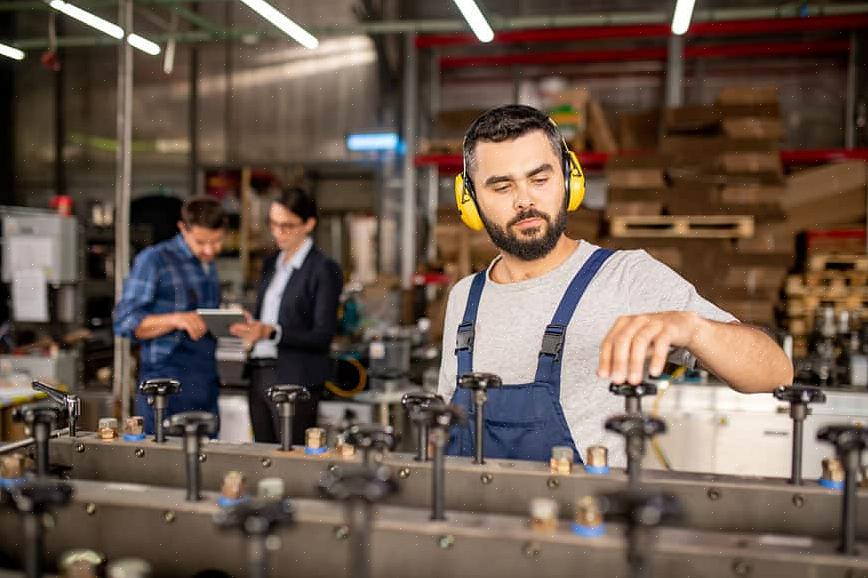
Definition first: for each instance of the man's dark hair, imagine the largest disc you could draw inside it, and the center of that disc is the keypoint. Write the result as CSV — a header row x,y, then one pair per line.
x,y
297,201
507,123
203,211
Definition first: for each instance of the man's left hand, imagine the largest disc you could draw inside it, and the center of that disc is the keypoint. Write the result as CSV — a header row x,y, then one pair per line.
x,y
634,337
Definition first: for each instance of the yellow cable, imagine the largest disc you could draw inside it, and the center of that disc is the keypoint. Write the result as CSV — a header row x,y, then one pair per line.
x,y
359,387
655,411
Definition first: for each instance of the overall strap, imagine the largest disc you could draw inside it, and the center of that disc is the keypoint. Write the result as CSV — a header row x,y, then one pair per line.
x,y
464,338
549,364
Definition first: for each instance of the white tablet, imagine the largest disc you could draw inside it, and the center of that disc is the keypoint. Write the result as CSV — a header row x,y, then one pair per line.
x,y
219,320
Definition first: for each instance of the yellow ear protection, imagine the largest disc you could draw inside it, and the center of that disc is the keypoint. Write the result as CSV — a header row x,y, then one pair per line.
x,y
574,185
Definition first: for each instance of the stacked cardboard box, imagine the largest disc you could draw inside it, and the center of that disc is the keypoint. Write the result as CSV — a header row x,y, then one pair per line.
x,y
716,174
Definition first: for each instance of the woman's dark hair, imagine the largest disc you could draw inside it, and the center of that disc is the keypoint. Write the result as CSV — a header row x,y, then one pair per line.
x,y
203,211
299,202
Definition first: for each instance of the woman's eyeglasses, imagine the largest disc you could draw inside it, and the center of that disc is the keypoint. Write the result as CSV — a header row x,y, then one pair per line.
x,y
284,226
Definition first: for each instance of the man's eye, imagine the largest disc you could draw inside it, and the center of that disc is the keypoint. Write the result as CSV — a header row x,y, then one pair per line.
x,y
502,189
539,182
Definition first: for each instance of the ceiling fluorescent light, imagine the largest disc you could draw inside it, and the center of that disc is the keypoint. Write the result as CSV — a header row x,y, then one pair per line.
x,y
475,19
283,23
10,52
86,17
682,16
143,44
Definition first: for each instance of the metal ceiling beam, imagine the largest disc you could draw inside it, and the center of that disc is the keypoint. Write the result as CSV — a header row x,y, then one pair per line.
x,y
553,23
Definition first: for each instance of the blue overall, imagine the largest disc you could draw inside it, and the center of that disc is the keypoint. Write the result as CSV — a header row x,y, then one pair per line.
x,y
193,363
522,421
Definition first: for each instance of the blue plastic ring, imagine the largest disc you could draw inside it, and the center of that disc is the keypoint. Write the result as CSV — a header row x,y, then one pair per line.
x,y
597,470
832,485
588,531
315,452
134,437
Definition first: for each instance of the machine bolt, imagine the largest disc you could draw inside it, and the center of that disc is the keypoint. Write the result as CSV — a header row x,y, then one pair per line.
x,y
266,462
90,508
342,532
553,483
79,448
446,541
168,516
713,494
203,458
404,473
798,500
333,468
140,453
486,479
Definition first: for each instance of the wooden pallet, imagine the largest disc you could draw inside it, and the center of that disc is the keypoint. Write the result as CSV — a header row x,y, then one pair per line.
x,y
693,226
826,288
838,262
806,306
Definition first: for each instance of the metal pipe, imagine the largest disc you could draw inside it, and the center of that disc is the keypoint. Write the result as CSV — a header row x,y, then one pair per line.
x,y
160,404
798,435
257,555
191,455
850,102
41,435
27,442
359,522
422,451
851,461
674,95
285,410
438,477
632,404
635,449
409,201
34,544
121,385
479,400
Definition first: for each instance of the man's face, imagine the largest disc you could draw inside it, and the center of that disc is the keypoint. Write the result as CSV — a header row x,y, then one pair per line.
x,y
287,228
520,194
204,243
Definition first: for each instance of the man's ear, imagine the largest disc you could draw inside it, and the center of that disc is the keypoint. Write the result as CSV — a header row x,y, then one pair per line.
x,y
181,226
310,224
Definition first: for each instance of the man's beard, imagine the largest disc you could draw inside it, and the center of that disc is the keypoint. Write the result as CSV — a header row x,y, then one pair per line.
x,y
532,247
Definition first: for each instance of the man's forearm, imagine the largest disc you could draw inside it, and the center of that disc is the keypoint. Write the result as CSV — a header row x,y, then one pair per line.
x,y
157,325
743,356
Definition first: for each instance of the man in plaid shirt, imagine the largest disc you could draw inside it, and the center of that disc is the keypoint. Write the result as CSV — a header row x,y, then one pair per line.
x,y
166,285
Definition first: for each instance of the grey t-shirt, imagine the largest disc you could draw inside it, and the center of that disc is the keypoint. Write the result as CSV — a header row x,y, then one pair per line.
x,y
512,318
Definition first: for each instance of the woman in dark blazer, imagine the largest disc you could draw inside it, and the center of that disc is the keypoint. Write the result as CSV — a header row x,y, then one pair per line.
x,y
295,317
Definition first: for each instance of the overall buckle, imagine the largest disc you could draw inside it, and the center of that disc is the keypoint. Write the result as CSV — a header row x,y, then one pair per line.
x,y
553,341
464,340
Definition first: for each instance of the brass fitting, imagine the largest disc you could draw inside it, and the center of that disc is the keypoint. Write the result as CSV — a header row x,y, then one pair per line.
x,y
562,460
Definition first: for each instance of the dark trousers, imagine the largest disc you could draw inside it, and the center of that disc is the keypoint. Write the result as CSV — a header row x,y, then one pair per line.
x,y
263,413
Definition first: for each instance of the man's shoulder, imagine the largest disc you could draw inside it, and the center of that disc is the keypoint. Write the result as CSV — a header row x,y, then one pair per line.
x,y
462,287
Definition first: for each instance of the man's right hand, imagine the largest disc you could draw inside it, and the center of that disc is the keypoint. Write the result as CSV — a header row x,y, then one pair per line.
x,y
191,322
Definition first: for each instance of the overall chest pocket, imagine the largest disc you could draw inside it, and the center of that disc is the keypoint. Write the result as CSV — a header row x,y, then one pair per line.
x,y
526,407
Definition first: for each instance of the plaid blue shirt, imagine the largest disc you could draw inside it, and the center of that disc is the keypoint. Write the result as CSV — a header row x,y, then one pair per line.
x,y
164,278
